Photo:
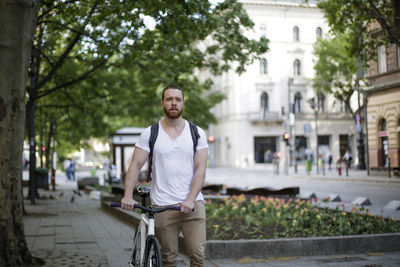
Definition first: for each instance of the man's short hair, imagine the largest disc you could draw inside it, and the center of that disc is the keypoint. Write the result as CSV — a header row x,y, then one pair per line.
x,y
172,86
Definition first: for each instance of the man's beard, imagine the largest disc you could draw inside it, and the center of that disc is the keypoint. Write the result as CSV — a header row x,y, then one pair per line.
x,y
171,115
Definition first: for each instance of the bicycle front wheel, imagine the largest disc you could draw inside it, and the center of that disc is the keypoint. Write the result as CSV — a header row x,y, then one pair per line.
x,y
136,257
152,255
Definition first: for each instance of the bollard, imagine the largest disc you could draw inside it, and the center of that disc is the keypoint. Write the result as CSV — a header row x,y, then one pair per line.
x,y
339,166
390,175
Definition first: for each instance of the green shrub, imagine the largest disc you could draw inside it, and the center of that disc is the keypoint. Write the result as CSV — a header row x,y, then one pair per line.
x,y
262,218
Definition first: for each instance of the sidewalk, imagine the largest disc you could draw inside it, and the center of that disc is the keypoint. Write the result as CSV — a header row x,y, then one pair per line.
x,y
267,169
72,230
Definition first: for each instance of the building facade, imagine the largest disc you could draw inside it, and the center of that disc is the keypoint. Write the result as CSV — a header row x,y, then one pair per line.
x,y
383,107
256,113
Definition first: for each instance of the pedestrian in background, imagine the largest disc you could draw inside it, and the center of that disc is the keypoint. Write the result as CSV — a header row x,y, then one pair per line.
x,y
67,163
348,157
72,169
329,159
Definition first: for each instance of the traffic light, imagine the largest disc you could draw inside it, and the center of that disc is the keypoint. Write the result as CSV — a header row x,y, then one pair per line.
x,y
311,101
286,138
211,139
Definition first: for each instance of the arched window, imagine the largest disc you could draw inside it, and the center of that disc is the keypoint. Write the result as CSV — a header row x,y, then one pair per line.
x,y
263,30
296,34
264,104
321,102
297,68
319,33
382,125
298,103
263,66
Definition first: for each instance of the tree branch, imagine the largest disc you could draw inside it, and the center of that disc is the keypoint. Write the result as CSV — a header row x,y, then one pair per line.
x,y
54,7
71,29
66,84
375,13
44,55
61,60
53,106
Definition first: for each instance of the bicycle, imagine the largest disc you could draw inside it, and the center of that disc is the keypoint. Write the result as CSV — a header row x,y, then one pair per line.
x,y
146,250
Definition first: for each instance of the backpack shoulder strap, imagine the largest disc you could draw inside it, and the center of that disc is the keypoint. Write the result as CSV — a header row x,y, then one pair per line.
x,y
195,135
152,141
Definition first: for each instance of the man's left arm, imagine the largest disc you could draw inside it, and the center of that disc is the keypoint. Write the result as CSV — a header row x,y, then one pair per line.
x,y
200,165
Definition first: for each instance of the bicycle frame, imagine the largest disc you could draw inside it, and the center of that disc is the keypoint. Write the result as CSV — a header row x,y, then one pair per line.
x,y
143,224
146,227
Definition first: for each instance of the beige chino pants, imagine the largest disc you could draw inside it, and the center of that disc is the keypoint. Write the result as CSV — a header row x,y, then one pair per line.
x,y
193,226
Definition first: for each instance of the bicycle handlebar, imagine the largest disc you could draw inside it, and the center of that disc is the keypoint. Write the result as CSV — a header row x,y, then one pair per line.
x,y
148,209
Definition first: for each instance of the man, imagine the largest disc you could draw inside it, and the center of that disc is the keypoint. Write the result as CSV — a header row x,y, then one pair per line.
x,y
348,157
177,179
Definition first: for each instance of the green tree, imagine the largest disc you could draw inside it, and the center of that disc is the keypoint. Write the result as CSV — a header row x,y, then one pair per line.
x,y
335,68
344,14
105,60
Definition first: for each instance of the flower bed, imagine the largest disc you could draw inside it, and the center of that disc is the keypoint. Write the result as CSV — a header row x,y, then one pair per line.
x,y
262,218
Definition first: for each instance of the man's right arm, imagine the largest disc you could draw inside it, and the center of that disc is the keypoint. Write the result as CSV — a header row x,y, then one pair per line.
x,y
139,158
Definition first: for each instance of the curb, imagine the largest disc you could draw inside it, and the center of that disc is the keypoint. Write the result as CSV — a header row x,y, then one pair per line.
x,y
394,181
265,248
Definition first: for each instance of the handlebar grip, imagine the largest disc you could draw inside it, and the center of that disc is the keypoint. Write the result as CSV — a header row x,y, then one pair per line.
x,y
115,204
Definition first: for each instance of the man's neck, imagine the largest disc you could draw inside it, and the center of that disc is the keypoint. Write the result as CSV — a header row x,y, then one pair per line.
x,y
173,123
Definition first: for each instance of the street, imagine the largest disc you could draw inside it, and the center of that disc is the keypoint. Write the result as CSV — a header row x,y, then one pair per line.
x,y
380,190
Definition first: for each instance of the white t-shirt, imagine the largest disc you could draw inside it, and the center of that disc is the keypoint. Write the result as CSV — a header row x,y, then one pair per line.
x,y
173,164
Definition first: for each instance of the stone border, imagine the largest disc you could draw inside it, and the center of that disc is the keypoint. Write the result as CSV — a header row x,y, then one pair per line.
x,y
264,248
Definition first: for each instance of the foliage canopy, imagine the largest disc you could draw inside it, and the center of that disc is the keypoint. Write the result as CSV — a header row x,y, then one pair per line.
x,y
100,65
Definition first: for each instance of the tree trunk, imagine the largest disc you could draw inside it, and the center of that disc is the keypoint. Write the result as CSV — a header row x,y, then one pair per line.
x,y
17,24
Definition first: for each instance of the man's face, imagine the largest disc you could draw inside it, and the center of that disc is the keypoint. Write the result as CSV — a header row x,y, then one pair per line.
x,y
173,103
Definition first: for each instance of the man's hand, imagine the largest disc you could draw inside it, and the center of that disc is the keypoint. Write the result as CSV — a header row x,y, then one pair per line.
x,y
187,206
128,203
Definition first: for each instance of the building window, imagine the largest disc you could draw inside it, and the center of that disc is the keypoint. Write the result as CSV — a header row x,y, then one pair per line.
x,y
297,68
382,125
321,102
382,67
319,33
296,37
263,30
298,103
263,66
264,148
264,104
384,145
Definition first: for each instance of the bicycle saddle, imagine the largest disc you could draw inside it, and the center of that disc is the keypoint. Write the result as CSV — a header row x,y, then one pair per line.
x,y
143,190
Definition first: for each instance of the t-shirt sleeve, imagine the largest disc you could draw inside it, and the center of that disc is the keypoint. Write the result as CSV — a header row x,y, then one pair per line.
x,y
143,142
202,144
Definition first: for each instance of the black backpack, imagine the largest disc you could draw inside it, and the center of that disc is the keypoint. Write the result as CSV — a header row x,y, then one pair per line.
x,y
153,137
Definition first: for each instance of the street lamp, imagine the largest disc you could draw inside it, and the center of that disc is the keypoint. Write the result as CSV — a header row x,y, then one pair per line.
x,y
315,106
291,121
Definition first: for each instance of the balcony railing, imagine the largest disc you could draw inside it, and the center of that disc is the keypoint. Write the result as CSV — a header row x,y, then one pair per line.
x,y
267,117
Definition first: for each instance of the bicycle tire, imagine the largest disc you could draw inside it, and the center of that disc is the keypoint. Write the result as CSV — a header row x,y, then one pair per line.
x,y
152,255
135,258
